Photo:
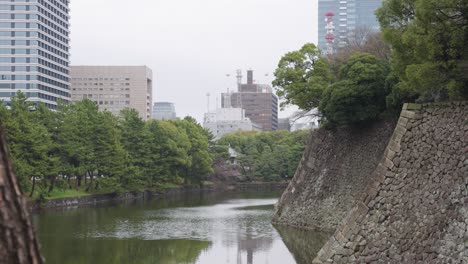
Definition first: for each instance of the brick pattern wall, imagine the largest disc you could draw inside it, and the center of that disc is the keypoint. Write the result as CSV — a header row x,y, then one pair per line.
x,y
416,209
331,176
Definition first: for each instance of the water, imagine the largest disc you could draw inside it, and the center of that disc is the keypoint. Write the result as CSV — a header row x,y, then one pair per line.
x,y
202,228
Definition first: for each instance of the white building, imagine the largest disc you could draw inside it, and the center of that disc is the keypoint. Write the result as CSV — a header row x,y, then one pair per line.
x,y
228,120
34,50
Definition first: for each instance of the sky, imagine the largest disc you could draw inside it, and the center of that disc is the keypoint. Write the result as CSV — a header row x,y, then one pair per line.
x,y
191,45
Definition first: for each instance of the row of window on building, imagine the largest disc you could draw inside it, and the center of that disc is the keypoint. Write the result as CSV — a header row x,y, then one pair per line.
x,y
105,96
100,79
101,89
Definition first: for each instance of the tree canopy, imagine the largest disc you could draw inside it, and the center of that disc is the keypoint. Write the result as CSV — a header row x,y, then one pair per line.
x,y
301,77
80,145
428,40
269,155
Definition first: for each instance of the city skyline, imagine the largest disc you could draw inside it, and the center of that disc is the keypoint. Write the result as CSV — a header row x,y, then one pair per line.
x,y
191,56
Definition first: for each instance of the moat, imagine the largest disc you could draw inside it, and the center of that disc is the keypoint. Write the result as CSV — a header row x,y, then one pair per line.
x,y
196,228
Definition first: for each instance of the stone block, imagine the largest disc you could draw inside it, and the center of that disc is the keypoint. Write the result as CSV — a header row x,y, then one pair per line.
x,y
402,122
389,154
411,106
410,114
388,164
340,238
394,146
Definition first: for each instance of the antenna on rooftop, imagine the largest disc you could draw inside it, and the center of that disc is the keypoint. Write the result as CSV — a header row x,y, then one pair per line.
x,y
239,79
207,102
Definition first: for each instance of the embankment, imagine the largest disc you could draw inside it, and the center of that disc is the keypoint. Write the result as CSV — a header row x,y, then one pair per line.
x,y
129,196
416,208
332,175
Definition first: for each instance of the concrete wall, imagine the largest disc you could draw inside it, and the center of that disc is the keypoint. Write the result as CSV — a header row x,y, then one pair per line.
x,y
332,174
416,208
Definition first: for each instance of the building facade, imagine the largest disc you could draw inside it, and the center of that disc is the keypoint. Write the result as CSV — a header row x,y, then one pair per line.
x,y
34,50
164,111
114,88
284,124
258,101
228,120
349,16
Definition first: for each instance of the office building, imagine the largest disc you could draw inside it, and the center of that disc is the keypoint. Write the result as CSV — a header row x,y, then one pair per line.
x,y
258,101
164,111
34,50
114,88
347,16
228,120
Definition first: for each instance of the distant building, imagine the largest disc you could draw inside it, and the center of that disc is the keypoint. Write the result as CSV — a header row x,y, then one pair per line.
x,y
114,87
164,111
258,101
284,124
348,16
305,125
228,120
34,52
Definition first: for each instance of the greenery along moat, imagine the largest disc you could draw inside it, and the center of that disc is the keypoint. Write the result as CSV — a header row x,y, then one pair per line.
x,y
202,228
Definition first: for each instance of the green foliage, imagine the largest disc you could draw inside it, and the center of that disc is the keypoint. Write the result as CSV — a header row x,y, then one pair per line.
x,y
30,142
82,148
301,77
359,95
267,156
428,39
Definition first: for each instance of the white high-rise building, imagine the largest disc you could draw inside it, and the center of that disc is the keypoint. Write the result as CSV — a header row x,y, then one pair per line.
x,y
34,50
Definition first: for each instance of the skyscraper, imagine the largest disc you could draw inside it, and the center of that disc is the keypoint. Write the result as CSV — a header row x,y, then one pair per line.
x,y
115,88
258,100
34,50
349,16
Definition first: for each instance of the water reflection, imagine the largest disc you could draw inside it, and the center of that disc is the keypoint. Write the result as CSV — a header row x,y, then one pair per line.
x,y
207,228
303,244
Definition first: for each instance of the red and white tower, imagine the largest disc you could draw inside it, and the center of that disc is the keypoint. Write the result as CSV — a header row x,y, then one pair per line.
x,y
330,37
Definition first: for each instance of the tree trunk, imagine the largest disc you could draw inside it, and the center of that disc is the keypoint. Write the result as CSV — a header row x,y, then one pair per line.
x,y
33,187
18,244
91,174
52,183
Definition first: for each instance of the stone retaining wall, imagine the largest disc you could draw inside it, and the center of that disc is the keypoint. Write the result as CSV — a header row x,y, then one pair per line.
x,y
332,175
416,209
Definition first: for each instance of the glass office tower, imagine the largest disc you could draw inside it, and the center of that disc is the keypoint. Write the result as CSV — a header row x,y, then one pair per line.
x,y
349,16
34,50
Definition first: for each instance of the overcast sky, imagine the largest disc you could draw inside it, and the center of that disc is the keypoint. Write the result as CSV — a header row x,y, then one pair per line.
x,y
191,45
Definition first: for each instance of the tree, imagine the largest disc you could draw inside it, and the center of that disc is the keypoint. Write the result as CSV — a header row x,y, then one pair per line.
x,y
301,77
200,158
77,138
360,94
29,141
428,39
363,40
169,147
51,121
18,243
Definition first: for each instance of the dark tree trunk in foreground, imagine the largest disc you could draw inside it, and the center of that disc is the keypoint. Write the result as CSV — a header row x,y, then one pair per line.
x,y
18,244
